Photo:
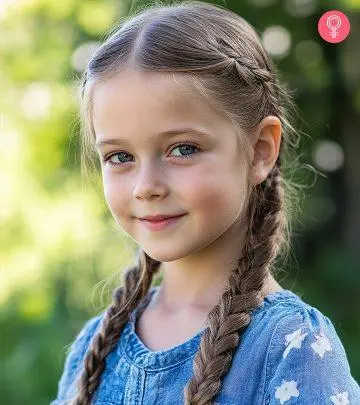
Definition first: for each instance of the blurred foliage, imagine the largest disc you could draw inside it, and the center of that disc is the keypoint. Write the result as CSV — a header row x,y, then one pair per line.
x,y
58,241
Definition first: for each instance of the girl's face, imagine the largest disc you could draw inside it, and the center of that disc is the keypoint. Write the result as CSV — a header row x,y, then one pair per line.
x,y
146,171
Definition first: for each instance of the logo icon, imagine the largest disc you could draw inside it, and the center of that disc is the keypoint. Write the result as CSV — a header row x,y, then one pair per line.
x,y
334,26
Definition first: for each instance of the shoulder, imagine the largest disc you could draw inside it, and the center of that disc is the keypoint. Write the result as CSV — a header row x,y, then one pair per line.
x,y
75,356
306,362
83,339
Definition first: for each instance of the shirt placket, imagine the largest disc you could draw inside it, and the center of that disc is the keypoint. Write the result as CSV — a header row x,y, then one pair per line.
x,y
134,389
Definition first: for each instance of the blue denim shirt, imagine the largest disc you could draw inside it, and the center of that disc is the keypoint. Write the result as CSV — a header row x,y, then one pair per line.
x,y
289,354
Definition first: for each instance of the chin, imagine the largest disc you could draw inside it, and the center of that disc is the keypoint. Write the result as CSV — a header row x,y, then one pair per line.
x,y
163,255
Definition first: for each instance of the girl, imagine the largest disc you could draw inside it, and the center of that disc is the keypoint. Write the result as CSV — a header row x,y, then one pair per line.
x,y
185,111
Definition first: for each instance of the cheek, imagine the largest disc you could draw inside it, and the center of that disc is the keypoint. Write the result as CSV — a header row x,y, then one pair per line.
x,y
117,195
223,200
211,190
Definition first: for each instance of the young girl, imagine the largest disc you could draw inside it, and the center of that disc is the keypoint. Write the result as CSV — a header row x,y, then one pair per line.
x,y
183,107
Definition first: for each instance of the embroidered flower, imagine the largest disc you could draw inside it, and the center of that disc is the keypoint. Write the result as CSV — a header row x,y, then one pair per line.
x,y
321,345
294,340
286,391
340,398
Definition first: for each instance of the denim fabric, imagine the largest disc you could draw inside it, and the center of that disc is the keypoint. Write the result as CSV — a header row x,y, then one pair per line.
x,y
289,354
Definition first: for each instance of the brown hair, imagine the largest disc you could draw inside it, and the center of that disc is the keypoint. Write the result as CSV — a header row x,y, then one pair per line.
x,y
221,55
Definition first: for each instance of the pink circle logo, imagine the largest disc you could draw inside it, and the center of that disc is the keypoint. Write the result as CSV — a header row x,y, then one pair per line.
x,y
334,26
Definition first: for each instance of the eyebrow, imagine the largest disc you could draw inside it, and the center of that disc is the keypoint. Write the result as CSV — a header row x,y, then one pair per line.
x,y
169,133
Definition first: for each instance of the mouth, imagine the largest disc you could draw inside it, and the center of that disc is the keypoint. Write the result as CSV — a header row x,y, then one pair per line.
x,y
161,224
160,218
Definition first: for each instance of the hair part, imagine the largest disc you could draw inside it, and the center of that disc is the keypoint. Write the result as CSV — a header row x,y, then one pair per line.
x,y
221,56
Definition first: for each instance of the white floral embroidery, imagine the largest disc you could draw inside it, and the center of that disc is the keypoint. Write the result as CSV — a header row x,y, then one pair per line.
x,y
340,398
294,340
321,345
286,391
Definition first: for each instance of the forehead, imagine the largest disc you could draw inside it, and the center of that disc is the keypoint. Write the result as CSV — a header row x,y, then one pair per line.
x,y
133,101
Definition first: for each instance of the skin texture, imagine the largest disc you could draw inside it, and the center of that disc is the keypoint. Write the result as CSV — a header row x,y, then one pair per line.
x,y
198,252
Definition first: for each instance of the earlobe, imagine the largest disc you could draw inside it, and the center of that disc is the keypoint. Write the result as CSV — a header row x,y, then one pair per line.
x,y
258,173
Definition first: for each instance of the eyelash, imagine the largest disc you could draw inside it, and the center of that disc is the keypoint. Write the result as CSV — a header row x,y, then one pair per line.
x,y
107,158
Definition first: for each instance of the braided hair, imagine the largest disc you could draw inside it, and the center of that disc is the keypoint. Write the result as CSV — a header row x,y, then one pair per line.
x,y
220,54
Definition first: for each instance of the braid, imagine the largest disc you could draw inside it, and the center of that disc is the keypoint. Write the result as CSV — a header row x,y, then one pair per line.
x,y
247,68
243,294
250,72
137,281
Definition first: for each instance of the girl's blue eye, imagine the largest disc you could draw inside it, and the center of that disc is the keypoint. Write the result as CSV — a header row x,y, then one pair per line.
x,y
186,156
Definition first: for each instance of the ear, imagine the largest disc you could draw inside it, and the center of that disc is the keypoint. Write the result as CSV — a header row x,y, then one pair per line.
x,y
266,146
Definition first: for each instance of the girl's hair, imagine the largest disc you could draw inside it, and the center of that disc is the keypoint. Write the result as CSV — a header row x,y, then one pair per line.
x,y
221,55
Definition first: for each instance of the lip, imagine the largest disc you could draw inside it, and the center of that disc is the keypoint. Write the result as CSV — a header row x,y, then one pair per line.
x,y
162,224
157,218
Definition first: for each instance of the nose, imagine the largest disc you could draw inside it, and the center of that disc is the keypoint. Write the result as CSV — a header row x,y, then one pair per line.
x,y
150,182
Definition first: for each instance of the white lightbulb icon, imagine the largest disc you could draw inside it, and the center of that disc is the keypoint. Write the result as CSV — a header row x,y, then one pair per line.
x,y
333,27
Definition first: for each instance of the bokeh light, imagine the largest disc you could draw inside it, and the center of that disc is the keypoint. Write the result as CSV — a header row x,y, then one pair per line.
x,y
328,155
277,41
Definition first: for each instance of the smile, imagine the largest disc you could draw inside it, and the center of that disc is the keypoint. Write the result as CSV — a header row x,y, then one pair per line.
x,y
160,225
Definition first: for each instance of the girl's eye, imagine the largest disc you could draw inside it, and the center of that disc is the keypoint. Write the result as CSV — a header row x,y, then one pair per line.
x,y
182,147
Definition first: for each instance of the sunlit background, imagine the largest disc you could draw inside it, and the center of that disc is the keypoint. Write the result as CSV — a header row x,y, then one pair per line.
x,y
60,250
